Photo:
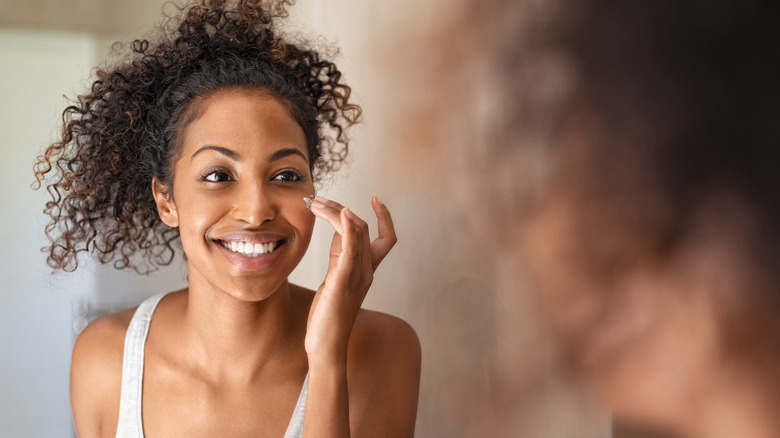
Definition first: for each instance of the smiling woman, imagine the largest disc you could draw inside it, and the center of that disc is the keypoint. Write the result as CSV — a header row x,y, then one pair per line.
x,y
214,137
257,177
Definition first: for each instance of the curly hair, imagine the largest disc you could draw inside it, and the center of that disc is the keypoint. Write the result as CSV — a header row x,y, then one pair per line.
x,y
127,129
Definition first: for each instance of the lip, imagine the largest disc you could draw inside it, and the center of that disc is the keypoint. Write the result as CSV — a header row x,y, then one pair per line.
x,y
252,238
258,263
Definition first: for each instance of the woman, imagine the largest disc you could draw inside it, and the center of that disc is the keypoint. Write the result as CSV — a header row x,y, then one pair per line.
x,y
627,152
656,241
215,137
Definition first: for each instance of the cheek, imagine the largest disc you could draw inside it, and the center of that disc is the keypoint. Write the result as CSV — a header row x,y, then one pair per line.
x,y
193,225
548,235
302,219
196,213
555,259
298,214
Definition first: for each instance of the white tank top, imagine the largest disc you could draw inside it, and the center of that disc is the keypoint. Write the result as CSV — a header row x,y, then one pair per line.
x,y
130,423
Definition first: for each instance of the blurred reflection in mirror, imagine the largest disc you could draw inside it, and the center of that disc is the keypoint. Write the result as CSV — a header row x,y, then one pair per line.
x,y
621,159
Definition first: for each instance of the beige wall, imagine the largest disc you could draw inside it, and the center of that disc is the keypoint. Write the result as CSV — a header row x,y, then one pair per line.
x,y
36,68
488,369
92,16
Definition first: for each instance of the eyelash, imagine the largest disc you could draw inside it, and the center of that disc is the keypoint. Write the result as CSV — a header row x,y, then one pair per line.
x,y
297,176
205,176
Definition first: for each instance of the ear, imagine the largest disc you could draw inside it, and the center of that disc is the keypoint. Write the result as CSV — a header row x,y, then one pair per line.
x,y
166,208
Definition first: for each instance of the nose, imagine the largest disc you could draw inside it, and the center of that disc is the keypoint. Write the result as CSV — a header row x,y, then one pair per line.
x,y
253,204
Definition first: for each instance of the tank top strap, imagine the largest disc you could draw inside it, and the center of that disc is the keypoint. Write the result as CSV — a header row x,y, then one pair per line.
x,y
295,428
130,423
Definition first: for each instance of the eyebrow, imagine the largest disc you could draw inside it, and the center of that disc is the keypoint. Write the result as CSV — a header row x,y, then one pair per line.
x,y
233,155
286,152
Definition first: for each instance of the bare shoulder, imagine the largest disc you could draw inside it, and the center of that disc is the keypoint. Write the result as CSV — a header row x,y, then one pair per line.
x,y
384,375
96,374
378,340
379,336
102,341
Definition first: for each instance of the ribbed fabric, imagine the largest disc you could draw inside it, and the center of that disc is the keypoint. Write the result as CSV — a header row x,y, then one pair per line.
x,y
295,428
130,424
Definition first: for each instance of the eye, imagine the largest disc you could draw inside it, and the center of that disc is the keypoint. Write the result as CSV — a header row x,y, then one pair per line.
x,y
216,176
288,176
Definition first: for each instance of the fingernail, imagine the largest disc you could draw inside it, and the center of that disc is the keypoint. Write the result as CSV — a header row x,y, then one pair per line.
x,y
318,202
379,200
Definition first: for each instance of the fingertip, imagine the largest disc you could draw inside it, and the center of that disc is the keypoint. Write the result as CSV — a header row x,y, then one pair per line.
x,y
378,204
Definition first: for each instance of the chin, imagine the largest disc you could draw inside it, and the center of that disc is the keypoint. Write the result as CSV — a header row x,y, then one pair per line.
x,y
249,289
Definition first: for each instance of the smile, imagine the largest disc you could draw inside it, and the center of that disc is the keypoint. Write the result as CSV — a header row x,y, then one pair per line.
x,y
250,249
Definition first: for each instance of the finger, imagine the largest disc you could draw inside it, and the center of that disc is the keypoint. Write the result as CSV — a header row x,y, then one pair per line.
x,y
361,227
335,248
362,242
328,210
349,250
343,255
387,238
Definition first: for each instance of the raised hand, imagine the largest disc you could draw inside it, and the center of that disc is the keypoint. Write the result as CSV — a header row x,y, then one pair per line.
x,y
353,260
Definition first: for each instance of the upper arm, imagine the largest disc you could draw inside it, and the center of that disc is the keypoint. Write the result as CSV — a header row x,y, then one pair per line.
x,y
383,377
96,375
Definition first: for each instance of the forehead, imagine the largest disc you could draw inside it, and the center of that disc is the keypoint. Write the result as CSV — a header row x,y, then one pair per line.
x,y
244,119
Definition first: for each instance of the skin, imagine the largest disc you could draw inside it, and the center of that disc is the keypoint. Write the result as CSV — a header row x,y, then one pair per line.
x,y
678,341
228,355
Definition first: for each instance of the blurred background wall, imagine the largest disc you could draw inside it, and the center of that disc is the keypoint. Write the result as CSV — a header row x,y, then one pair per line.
x,y
489,366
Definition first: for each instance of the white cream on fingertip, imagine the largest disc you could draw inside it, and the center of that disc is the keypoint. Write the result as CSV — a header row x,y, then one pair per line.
x,y
308,200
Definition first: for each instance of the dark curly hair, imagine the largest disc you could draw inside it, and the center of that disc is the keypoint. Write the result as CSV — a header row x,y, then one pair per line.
x,y
127,129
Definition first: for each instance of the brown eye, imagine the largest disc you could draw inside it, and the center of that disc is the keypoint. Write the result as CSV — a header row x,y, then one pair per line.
x,y
288,176
216,176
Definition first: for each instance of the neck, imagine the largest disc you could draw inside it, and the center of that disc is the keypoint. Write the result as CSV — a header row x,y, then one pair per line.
x,y
686,365
742,402
230,338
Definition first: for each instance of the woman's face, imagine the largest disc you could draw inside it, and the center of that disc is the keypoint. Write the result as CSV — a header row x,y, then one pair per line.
x,y
640,325
238,192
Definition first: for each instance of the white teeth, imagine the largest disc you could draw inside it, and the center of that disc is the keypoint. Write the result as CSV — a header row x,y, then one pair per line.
x,y
250,249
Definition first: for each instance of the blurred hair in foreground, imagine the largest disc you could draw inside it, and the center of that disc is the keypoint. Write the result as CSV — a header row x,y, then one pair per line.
x,y
626,155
